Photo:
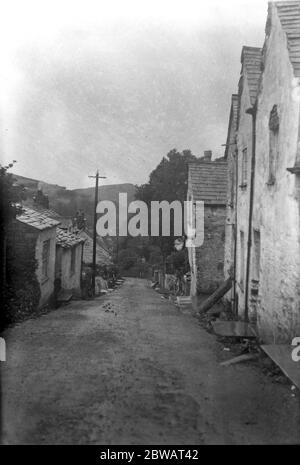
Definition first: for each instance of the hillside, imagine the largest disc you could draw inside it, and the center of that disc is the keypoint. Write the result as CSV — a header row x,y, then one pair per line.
x,y
68,201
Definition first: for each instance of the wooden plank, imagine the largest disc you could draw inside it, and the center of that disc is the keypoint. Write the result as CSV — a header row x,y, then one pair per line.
x,y
184,301
282,356
234,329
238,359
216,296
215,311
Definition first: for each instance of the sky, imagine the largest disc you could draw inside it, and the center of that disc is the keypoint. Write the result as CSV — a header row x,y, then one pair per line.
x,y
115,85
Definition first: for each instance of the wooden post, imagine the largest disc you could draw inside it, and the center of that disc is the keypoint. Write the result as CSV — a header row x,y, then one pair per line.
x,y
95,230
216,296
95,234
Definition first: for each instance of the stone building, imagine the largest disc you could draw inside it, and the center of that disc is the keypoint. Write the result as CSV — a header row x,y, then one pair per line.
x,y
207,182
37,233
266,219
103,257
275,251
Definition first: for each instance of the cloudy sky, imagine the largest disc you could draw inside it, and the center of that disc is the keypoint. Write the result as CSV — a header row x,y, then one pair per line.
x,y
115,85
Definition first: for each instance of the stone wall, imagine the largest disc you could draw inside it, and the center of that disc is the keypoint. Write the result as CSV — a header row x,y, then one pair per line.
x,y
210,256
22,239
21,291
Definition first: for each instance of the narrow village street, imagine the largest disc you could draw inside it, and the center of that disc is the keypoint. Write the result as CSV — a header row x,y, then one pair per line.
x,y
130,368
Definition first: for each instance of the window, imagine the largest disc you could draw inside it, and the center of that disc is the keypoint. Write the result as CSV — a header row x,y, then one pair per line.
x,y
256,255
45,259
232,175
242,259
73,260
273,143
244,167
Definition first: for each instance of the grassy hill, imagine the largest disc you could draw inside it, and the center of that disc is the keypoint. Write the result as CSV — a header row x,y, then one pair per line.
x,y
68,201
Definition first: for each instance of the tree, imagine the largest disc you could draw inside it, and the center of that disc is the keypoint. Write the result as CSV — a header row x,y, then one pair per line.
x,y
19,286
11,195
127,258
167,182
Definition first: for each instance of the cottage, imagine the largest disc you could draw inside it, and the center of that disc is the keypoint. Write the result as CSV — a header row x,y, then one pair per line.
x,y
266,193
207,182
68,250
274,279
35,232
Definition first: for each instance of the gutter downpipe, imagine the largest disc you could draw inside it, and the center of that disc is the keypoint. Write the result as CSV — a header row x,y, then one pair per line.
x,y
251,111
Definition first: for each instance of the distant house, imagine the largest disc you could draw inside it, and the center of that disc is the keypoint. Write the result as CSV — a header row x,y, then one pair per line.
x,y
36,232
103,257
207,181
68,264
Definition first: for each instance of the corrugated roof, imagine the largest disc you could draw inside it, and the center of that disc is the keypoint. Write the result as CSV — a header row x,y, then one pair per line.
x,y
251,60
36,219
289,15
67,239
233,122
208,182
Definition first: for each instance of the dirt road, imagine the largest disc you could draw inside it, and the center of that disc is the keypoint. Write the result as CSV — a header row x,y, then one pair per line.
x,y
130,368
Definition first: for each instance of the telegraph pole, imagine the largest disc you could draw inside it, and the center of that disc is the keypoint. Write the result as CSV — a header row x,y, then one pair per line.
x,y
97,177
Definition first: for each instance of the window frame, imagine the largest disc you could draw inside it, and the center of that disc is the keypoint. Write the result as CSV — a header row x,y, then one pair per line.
x,y
256,255
244,166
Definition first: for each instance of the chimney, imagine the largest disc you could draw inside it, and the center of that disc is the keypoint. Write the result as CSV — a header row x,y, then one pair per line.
x,y
207,155
40,199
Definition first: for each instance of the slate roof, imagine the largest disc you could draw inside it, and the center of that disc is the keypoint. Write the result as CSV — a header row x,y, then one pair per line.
x,y
47,212
251,60
36,219
65,222
233,122
208,182
289,15
67,239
